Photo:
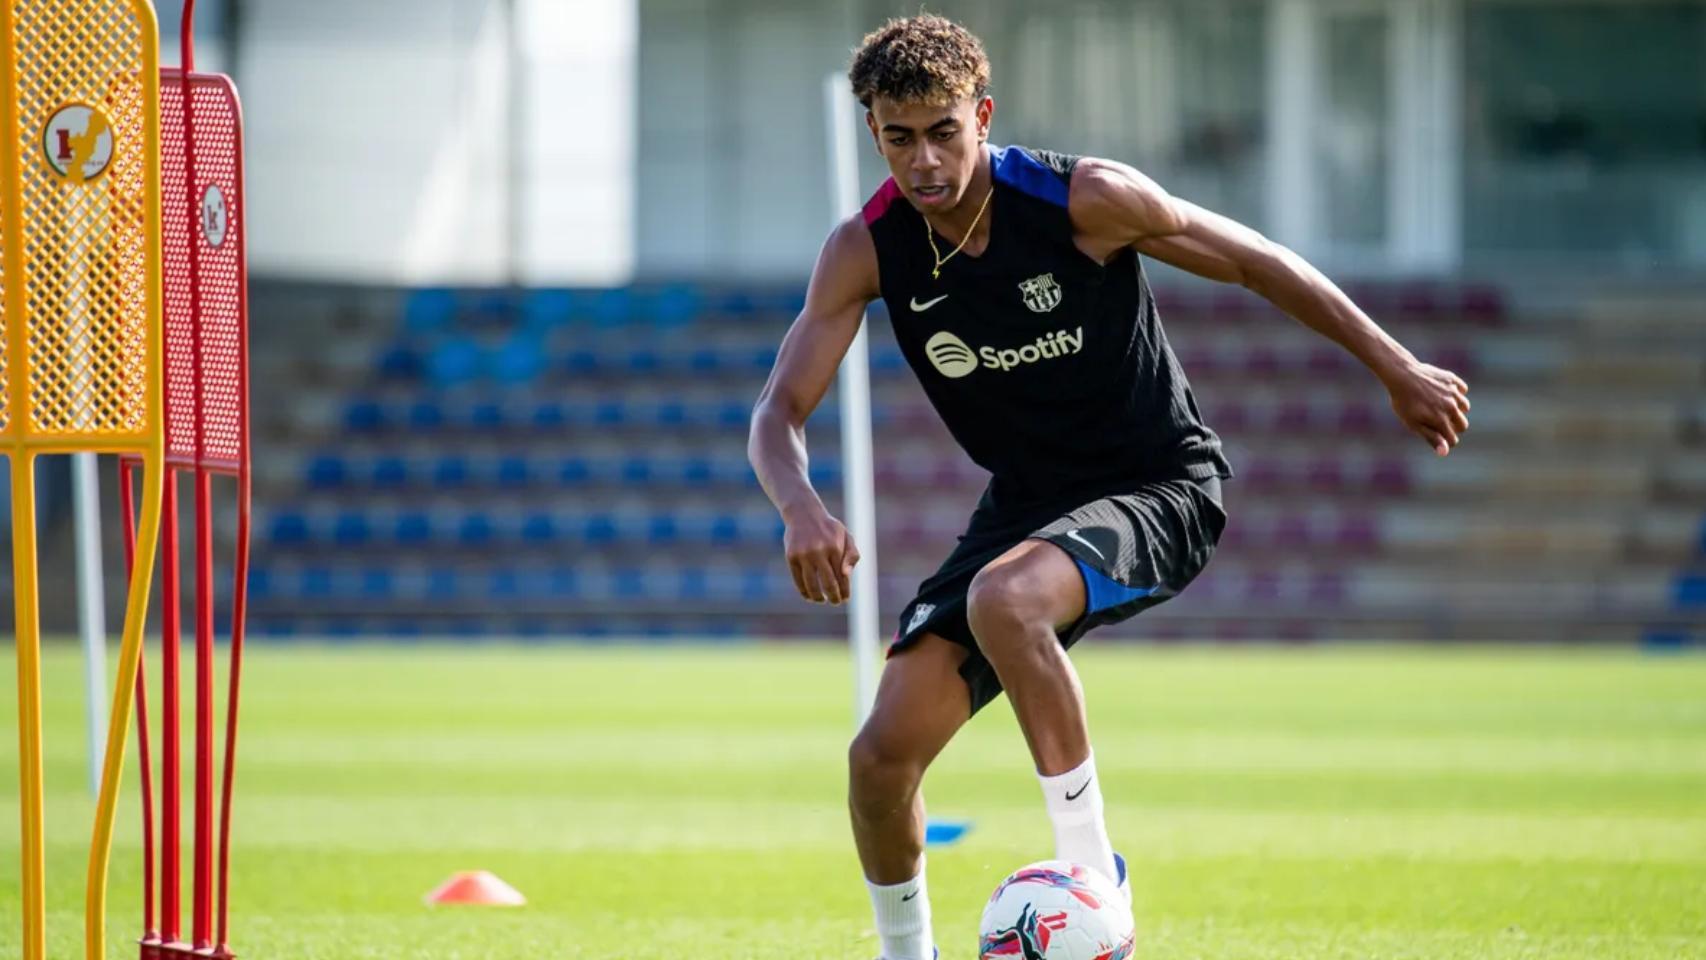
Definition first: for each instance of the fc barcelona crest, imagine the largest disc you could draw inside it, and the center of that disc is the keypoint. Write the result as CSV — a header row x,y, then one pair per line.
x,y
1042,294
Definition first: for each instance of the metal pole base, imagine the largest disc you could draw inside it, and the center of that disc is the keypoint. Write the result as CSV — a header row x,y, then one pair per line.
x,y
153,948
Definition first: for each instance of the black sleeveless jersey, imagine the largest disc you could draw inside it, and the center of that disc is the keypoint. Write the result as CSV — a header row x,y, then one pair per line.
x,y
1050,369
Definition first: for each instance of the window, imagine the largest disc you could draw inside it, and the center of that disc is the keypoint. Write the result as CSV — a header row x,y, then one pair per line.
x,y
1585,132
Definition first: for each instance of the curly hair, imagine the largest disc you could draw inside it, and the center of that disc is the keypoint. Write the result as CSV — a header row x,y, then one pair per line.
x,y
921,59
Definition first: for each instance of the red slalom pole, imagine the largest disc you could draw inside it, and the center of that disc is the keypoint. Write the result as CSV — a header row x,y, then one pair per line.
x,y
239,610
202,891
202,912
186,38
150,935
201,906
171,776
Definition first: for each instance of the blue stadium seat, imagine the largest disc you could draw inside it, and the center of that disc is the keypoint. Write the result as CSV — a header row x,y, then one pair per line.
x,y
471,629
704,360
629,584
429,311
364,416
636,470
696,526
723,631
610,413
578,414
642,362
390,473
565,583
671,412
543,310
412,529
289,528
487,415
352,529
520,360
582,363
261,584
549,416
698,471
573,471
1690,592
490,306
426,415
599,529
539,528
453,362
442,584
761,359
503,583
514,471
476,530
327,471
755,585
315,583
740,303
377,583
451,472
732,470
693,585
725,530
733,413
674,306
762,527
340,630
667,469
400,362
613,307
662,530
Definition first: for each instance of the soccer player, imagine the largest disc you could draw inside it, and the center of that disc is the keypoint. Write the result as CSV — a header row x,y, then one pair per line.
x,y
1016,289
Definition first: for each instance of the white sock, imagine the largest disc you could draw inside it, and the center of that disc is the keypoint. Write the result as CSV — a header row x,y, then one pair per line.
x,y
1075,806
903,919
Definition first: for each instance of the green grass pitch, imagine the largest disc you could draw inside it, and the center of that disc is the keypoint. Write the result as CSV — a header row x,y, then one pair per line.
x,y
686,802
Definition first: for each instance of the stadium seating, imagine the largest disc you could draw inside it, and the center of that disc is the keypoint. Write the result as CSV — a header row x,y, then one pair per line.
x,y
573,461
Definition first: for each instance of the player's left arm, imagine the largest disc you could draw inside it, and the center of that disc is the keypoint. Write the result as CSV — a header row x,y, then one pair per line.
x,y
1115,206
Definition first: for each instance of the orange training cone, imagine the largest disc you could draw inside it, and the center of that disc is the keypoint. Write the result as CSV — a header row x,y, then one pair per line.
x,y
476,887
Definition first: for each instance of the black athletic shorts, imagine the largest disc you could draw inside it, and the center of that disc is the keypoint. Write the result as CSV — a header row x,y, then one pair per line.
x,y
1134,549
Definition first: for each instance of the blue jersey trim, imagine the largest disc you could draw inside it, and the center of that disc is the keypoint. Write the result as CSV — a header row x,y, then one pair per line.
x,y
1017,168
1102,591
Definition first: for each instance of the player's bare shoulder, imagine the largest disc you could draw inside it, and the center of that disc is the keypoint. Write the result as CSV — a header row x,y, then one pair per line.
x,y
1114,204
846,268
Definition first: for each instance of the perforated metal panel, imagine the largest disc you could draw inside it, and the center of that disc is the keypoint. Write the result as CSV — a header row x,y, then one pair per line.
x,y
85,161
204,275
5,354
80,298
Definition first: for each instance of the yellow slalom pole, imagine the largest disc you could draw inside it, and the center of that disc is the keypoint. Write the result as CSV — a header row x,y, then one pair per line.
x,y
118,723
27,628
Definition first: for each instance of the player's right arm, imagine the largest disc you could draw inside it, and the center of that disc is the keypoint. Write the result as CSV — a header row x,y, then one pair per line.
x,y
821,553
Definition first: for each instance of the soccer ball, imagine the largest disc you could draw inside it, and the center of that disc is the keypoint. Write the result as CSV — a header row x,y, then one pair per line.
x,y
1056,910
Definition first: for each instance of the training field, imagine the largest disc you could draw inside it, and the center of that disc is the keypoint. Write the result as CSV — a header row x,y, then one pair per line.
x,y
687,803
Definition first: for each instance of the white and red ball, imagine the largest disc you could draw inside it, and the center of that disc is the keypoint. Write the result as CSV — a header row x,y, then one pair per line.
x,y
1055,910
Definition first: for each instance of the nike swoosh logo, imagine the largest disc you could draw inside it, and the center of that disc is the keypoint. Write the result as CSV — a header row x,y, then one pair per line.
x,y
1074,535
921,307
1080,791
909,896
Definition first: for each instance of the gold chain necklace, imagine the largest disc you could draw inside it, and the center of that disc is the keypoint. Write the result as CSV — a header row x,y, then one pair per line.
x,y
930,234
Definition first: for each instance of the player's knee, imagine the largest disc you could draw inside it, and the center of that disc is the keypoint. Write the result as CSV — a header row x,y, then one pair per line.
x,y
880,767
1005,606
